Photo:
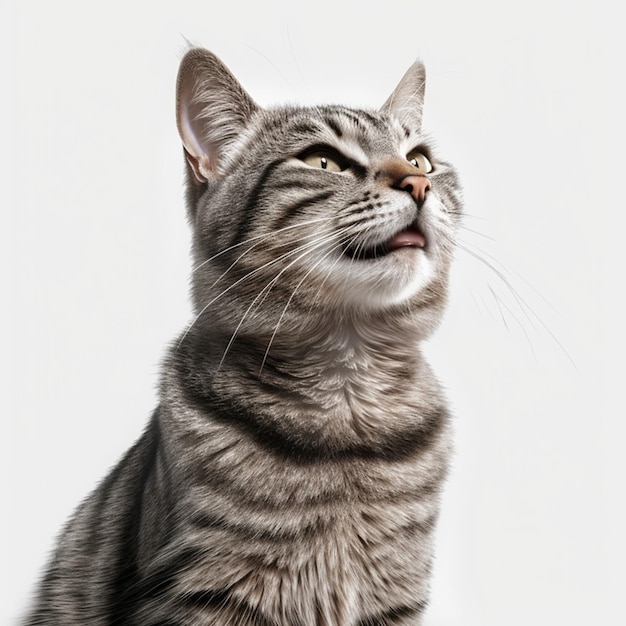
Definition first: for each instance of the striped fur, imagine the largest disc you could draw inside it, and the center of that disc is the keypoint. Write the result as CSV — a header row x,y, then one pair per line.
x,y
291,473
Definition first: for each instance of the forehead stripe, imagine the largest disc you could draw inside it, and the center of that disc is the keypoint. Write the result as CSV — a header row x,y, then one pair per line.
x,y
332,124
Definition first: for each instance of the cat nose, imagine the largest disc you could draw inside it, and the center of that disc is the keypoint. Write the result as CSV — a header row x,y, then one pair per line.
x,y
417,185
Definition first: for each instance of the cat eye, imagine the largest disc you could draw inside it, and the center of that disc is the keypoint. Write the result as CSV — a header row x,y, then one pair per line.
x,y
324,160
419,160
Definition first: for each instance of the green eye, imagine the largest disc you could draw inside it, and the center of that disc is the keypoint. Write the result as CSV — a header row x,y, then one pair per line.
x,y
323,161
419,160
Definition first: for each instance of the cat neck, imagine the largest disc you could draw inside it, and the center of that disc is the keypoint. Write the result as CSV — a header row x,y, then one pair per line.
x,y
353,389
306,346
320,364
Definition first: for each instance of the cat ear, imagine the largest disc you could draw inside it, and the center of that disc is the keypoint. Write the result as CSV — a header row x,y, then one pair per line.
x,y
212,108
407,100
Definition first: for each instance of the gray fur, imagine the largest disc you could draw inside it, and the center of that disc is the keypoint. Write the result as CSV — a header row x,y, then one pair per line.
x,y
291,473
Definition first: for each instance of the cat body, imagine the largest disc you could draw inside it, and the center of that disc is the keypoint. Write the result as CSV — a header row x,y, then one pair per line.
x,y
291,473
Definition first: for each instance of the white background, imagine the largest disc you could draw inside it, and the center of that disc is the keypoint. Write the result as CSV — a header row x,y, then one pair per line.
x,y
521,97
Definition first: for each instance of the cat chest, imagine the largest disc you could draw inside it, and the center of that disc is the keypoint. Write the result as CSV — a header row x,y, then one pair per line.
x,y
335,571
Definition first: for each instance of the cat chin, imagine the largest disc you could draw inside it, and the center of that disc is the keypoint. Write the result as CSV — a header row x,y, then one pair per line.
x,y
392,280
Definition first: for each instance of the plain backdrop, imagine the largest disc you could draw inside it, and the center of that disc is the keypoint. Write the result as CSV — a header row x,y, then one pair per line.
x,y
522,97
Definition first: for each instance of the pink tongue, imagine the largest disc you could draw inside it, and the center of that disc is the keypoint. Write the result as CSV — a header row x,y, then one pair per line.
x,y
407,238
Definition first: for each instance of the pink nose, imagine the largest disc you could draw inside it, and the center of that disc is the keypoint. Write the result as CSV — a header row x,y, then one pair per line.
x,y
416,185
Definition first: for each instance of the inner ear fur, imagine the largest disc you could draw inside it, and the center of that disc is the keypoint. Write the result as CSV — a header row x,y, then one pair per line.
x,y
212,108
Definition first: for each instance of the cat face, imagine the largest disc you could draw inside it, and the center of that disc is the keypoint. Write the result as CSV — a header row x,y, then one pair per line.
x,y
331,209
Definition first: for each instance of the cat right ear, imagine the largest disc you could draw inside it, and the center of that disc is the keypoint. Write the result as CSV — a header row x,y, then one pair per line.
x,y
212,108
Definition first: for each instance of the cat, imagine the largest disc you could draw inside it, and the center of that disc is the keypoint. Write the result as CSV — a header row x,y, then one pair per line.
x,y
292,471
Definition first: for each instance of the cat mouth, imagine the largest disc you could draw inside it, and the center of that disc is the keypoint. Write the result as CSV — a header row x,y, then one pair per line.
x,y
411,237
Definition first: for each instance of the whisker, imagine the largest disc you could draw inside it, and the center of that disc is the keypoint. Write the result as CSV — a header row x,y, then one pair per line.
x,y
475,232
501,305
312,246
270,235
481,306
525,308
275,280
344,243
495,297
511,271
280,319
262,237
356,252
246,276
521,302
295,59
274,67
474,217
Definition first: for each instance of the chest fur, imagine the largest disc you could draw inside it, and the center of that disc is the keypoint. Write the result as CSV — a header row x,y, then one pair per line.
x,y
337,570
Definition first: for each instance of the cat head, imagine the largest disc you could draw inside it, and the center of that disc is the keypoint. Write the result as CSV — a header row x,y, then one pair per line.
x,y
328,212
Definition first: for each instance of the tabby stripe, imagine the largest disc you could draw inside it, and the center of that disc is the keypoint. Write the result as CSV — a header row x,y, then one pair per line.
x,y
423,527
363,115
249,209
358,221
387,618
296,183
355,119
373,119
124,587
109,486
360,171
394,447
103,493
162,580
208,598
332,124
296,209
220,600
356,210
305,129
252,533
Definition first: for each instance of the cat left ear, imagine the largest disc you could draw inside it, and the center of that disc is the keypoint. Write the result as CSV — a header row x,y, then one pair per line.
x,y
212,109
407,100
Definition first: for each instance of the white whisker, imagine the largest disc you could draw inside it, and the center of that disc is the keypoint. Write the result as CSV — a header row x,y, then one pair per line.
x,y
262,237
280,319
304,249
475,232
524,307
502,305
345,243
232,285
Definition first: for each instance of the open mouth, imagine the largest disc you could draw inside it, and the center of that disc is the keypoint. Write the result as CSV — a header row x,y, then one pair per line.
x,y
410,237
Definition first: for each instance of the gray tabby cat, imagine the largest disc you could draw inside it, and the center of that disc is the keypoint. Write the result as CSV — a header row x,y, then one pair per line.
x,y
291,472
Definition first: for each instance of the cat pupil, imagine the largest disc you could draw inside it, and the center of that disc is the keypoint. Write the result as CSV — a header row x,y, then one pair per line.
x,y
324,162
